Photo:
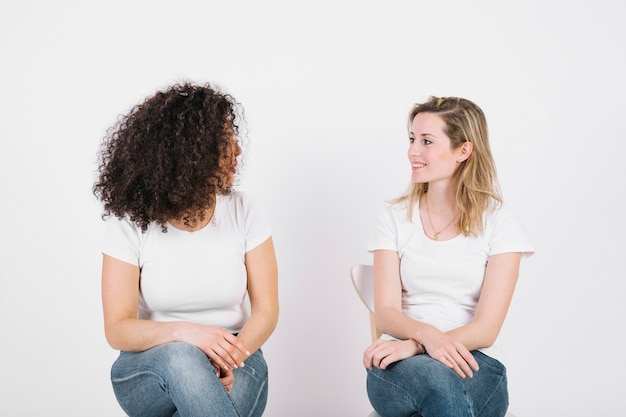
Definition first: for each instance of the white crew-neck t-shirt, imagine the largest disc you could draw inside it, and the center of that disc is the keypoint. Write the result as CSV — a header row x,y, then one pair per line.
x,y
442,280
197,276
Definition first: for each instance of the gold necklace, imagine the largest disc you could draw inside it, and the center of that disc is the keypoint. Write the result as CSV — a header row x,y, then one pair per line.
x,y
437,233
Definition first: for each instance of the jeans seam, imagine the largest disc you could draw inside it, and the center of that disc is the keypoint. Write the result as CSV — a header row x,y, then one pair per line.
x,y
495,389
135,375
391,384
253,373
258,395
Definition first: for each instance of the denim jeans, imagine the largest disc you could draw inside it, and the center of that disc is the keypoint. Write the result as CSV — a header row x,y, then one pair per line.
x,y
178,380
421,386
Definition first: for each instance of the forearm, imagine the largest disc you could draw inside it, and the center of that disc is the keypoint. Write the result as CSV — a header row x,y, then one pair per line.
x,y
263,292
399,325
258,329
135,335
475,335
495,297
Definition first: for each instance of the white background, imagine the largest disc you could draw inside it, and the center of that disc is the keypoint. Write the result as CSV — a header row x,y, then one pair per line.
x,y
327,87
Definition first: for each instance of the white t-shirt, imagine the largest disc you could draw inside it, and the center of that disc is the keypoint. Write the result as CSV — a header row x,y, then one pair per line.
x,y
442,280
198,276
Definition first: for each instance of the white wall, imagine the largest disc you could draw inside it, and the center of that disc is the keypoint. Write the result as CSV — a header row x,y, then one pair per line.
x,y
326,86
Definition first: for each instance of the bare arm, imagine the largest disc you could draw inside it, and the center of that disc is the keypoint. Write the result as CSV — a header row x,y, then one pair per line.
x,y
391,320
451,348
388,299
263,292
120,301
495,297
389,316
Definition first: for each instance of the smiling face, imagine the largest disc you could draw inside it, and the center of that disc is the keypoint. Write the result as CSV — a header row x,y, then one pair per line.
x,y
430,153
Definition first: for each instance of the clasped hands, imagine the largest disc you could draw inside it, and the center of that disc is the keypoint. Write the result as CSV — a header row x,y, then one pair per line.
x,y
225,350
437,345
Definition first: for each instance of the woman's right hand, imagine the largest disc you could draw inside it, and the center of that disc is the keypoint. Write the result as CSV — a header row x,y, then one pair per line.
x,y
450,352
383,353
223,348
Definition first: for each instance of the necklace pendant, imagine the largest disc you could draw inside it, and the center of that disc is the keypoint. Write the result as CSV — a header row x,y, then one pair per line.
x,y
436,236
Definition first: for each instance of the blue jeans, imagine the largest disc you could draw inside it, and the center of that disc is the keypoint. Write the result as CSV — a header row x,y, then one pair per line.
x,y
421,386
178,380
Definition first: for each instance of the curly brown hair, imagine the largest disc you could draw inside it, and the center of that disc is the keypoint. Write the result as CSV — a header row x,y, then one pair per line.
x,y
165,158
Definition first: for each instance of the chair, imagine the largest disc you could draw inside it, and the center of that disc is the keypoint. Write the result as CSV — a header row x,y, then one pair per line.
x,y
362,277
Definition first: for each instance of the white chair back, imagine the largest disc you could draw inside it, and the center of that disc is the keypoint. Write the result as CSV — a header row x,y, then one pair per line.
x,y
362,277
363,280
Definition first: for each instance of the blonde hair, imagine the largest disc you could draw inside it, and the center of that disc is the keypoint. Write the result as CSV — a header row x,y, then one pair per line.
x,y
477,187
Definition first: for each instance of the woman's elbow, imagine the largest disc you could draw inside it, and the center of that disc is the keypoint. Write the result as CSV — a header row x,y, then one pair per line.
x,y
114,332
488,341
273,318
112,339
488,335
268,315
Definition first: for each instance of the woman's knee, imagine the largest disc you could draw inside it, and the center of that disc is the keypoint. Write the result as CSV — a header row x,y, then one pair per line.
x,y
169,359
180,354
250,389
255,366
406,386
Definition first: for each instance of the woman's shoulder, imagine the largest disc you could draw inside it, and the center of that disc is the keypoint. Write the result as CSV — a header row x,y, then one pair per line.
x,y
506,231
392,215
398,210
502,217
121,222
237,198
500,211
123,238
241,202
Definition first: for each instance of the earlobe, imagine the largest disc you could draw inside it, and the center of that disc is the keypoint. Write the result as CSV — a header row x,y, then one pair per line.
x,y
466,150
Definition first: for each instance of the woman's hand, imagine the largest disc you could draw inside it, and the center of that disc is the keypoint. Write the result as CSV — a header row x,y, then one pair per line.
x,y
450,352
382,353
227,377
223,348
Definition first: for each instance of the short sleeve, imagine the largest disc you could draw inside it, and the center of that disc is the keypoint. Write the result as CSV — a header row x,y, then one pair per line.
x,y
256,223
122,240
385,233
506,233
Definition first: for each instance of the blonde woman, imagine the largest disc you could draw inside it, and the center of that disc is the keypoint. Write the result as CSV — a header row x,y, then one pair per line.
x,y
446,261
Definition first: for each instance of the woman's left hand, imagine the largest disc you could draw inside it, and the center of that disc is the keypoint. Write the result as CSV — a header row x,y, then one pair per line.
x,y
382,353
227,377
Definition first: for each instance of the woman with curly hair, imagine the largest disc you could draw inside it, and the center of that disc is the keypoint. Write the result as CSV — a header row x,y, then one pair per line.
x,y
189,274
446,262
